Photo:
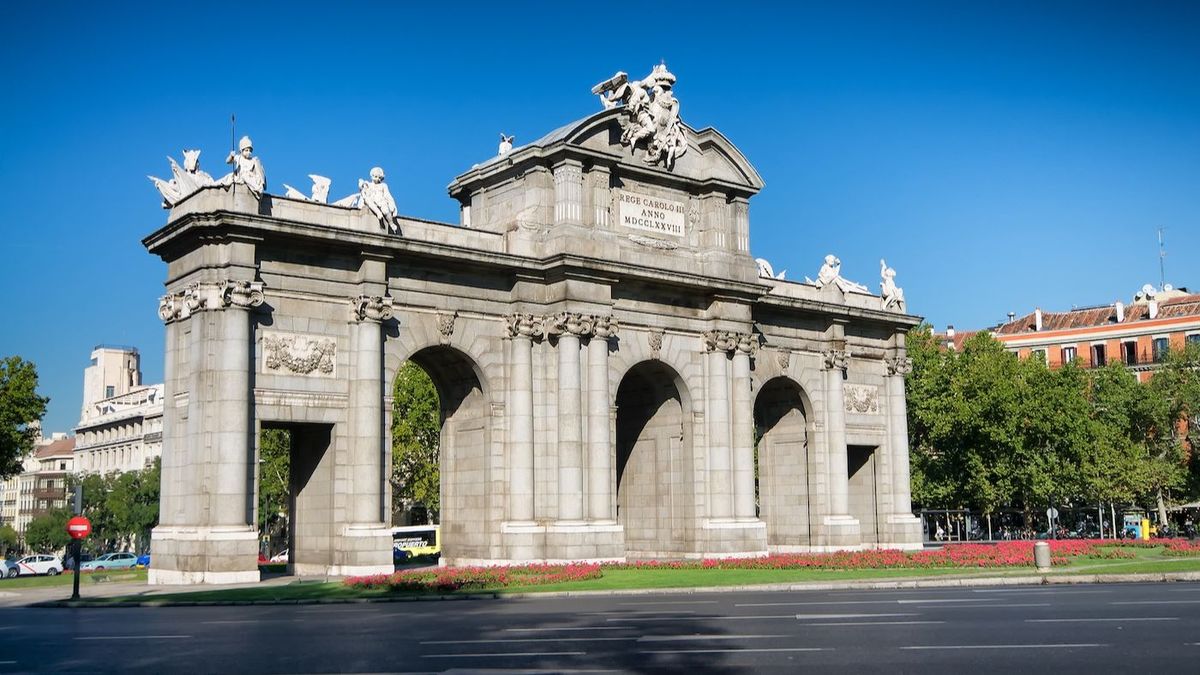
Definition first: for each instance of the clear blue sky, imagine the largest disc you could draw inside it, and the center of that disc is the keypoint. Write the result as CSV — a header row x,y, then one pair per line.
x,y
1000,156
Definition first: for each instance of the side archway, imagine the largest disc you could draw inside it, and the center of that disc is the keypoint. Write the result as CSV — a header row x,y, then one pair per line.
x,y
655,467
464,415
783,429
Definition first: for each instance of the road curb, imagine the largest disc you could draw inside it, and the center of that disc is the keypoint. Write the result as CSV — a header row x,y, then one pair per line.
x,y
892,584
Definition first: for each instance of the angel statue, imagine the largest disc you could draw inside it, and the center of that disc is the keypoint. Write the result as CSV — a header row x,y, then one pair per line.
x,y
831,275
378,198
506,144
651,114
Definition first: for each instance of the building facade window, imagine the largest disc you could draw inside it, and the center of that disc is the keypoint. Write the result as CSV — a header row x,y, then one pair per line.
x,y
1099,358
1068,354
1039,354
1162,345
1193,339
1129,353
109,391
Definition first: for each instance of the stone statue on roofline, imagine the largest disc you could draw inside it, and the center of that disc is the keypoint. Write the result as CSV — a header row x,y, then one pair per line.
x,y
831,275
651,114
376,196
506,144
183,181
320,190
891,294
247,169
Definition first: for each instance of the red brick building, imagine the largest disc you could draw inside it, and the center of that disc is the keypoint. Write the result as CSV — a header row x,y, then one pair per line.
x,y
1138,334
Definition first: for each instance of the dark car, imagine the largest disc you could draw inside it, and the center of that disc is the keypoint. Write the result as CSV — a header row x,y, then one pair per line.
x,y
69,562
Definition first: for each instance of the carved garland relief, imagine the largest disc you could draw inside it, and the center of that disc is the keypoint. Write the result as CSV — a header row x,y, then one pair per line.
x,y
288,353
861,398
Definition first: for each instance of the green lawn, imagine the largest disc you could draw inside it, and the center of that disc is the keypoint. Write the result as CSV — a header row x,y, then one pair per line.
x,y
65,579
1146,560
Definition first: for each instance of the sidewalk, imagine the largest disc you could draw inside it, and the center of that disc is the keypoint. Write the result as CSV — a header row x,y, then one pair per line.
x,y
58,596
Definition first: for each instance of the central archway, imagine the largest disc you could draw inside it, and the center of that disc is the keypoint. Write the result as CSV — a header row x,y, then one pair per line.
x,y
655,472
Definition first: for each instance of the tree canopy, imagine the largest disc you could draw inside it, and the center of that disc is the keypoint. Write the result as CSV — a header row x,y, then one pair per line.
x,y
416,427
20,407
989,430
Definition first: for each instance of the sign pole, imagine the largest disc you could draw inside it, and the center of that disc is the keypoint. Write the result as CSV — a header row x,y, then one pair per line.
x,y
75,582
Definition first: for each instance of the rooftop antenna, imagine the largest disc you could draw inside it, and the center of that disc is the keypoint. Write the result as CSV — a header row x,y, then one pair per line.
x,y
1162,257
232,133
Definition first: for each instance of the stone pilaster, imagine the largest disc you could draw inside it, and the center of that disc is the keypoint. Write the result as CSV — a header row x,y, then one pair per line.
x,y
903,528
568,193
743,430
839,528
599,470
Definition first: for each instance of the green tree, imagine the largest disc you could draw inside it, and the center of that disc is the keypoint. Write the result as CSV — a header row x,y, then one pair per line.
x,y
9,539
1114,469
416,427
1176,388
274,490
48,533
20,405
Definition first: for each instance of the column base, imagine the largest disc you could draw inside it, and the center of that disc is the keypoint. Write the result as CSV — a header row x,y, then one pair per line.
x,y
902,531
740,538
558,541
363,549
839,533
203,555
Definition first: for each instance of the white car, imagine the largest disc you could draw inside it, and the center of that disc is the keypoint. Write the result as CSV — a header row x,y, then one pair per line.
x,y
280,557
39,564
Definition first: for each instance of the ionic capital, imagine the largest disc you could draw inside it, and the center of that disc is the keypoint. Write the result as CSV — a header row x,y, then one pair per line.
x,y
605,327
836,359
726,341
206,295
570,323
374,308
239,294
900,365
525,326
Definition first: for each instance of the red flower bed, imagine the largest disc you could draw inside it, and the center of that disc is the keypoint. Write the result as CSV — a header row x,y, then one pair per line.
x,y
467,578
1182,547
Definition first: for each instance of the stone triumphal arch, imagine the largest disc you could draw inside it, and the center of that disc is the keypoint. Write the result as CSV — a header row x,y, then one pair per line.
x,y
607,353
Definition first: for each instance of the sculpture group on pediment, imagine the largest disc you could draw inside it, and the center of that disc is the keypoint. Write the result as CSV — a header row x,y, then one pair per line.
x,y
651,114
320,190
375,196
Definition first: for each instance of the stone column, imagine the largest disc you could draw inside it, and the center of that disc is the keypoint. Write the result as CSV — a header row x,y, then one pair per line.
x,y
720,483
570,327
365,435
229,393
522,328
600,471
836,361
743,430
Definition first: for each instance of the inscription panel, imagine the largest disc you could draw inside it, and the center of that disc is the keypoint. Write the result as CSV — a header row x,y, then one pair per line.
x,y
648,213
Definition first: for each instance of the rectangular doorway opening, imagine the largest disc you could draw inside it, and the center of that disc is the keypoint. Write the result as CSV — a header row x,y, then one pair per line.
x,y
296,495
861,468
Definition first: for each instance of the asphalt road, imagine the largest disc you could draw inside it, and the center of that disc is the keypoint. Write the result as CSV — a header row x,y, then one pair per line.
x,y
1142,628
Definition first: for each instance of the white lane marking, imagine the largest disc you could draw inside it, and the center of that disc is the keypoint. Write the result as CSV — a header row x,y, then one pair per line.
x,y
7,663
683,638
1074,645
699,618
1126,618
930,601
626,612
135,637
542,630
673,602
493,655
830,602
1156,602
987,606
872,623
1034,590
508,640
852,616
735,651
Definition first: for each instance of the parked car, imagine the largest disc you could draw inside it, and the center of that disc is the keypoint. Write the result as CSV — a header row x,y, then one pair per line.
x,y
110,561
143,561
9,569
69,561
280,557
39,564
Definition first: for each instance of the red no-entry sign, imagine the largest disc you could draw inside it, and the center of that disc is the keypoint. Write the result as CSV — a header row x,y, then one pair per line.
x,y
79,527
